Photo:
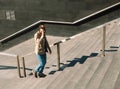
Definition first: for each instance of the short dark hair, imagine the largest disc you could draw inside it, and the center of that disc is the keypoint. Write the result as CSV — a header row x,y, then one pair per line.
x,y
42,26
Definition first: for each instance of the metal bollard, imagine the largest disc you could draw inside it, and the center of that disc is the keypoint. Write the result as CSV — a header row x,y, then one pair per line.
x,y
24,70
104,40
18,67
58,55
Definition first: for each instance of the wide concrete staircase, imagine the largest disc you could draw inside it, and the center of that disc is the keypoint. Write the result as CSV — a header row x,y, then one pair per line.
x,y
82,63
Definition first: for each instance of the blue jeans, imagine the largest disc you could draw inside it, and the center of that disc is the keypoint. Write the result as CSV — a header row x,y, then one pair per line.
x,y
42,62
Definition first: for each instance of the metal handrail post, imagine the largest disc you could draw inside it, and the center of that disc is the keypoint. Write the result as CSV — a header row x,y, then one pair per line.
x,y
18,67
58,55
23,63
104,41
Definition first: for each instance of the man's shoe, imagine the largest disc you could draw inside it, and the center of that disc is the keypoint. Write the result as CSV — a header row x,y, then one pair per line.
x,y
41,75
34,73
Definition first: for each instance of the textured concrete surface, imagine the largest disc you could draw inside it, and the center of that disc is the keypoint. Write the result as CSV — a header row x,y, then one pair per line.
x,y
81,63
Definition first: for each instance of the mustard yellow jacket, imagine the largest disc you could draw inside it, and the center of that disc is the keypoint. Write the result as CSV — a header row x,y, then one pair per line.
x,y
41,45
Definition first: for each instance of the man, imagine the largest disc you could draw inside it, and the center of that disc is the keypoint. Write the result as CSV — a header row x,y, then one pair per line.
x,y
41,47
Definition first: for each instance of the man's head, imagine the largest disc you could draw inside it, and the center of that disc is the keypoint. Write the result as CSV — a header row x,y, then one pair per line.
x,y
42,26
42,29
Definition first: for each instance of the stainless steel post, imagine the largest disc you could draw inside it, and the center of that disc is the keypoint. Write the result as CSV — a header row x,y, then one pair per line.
x,y
58,55
104,41
18,67
24,70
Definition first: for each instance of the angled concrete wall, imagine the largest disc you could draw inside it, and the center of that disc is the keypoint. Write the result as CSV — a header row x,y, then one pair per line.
x,y
27,12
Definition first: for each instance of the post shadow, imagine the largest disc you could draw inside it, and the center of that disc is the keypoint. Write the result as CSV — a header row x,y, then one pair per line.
x,y
112,49
73,62
114,46
4,67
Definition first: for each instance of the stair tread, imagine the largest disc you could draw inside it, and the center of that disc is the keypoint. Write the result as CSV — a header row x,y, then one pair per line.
x,y
81,84
99,74
112,73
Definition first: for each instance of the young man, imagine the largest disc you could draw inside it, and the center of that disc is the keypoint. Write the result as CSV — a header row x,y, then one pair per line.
x,y
41,47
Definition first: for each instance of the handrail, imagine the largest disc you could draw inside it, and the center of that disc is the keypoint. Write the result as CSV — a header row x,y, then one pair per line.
x,y
77,22
17,61
72,37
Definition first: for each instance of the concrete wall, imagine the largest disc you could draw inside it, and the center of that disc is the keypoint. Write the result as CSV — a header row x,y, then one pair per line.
x,y
26,12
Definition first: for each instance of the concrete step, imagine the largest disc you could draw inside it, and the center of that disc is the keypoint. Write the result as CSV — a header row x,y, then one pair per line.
x,y
59,78
113,42
80,50
81,84
78,75
70,76
117,84
43,83
112,73
68,51
51,78
99,74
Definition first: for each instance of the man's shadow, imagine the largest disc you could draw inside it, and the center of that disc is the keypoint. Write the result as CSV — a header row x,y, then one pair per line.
x,y
72,63
4,67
